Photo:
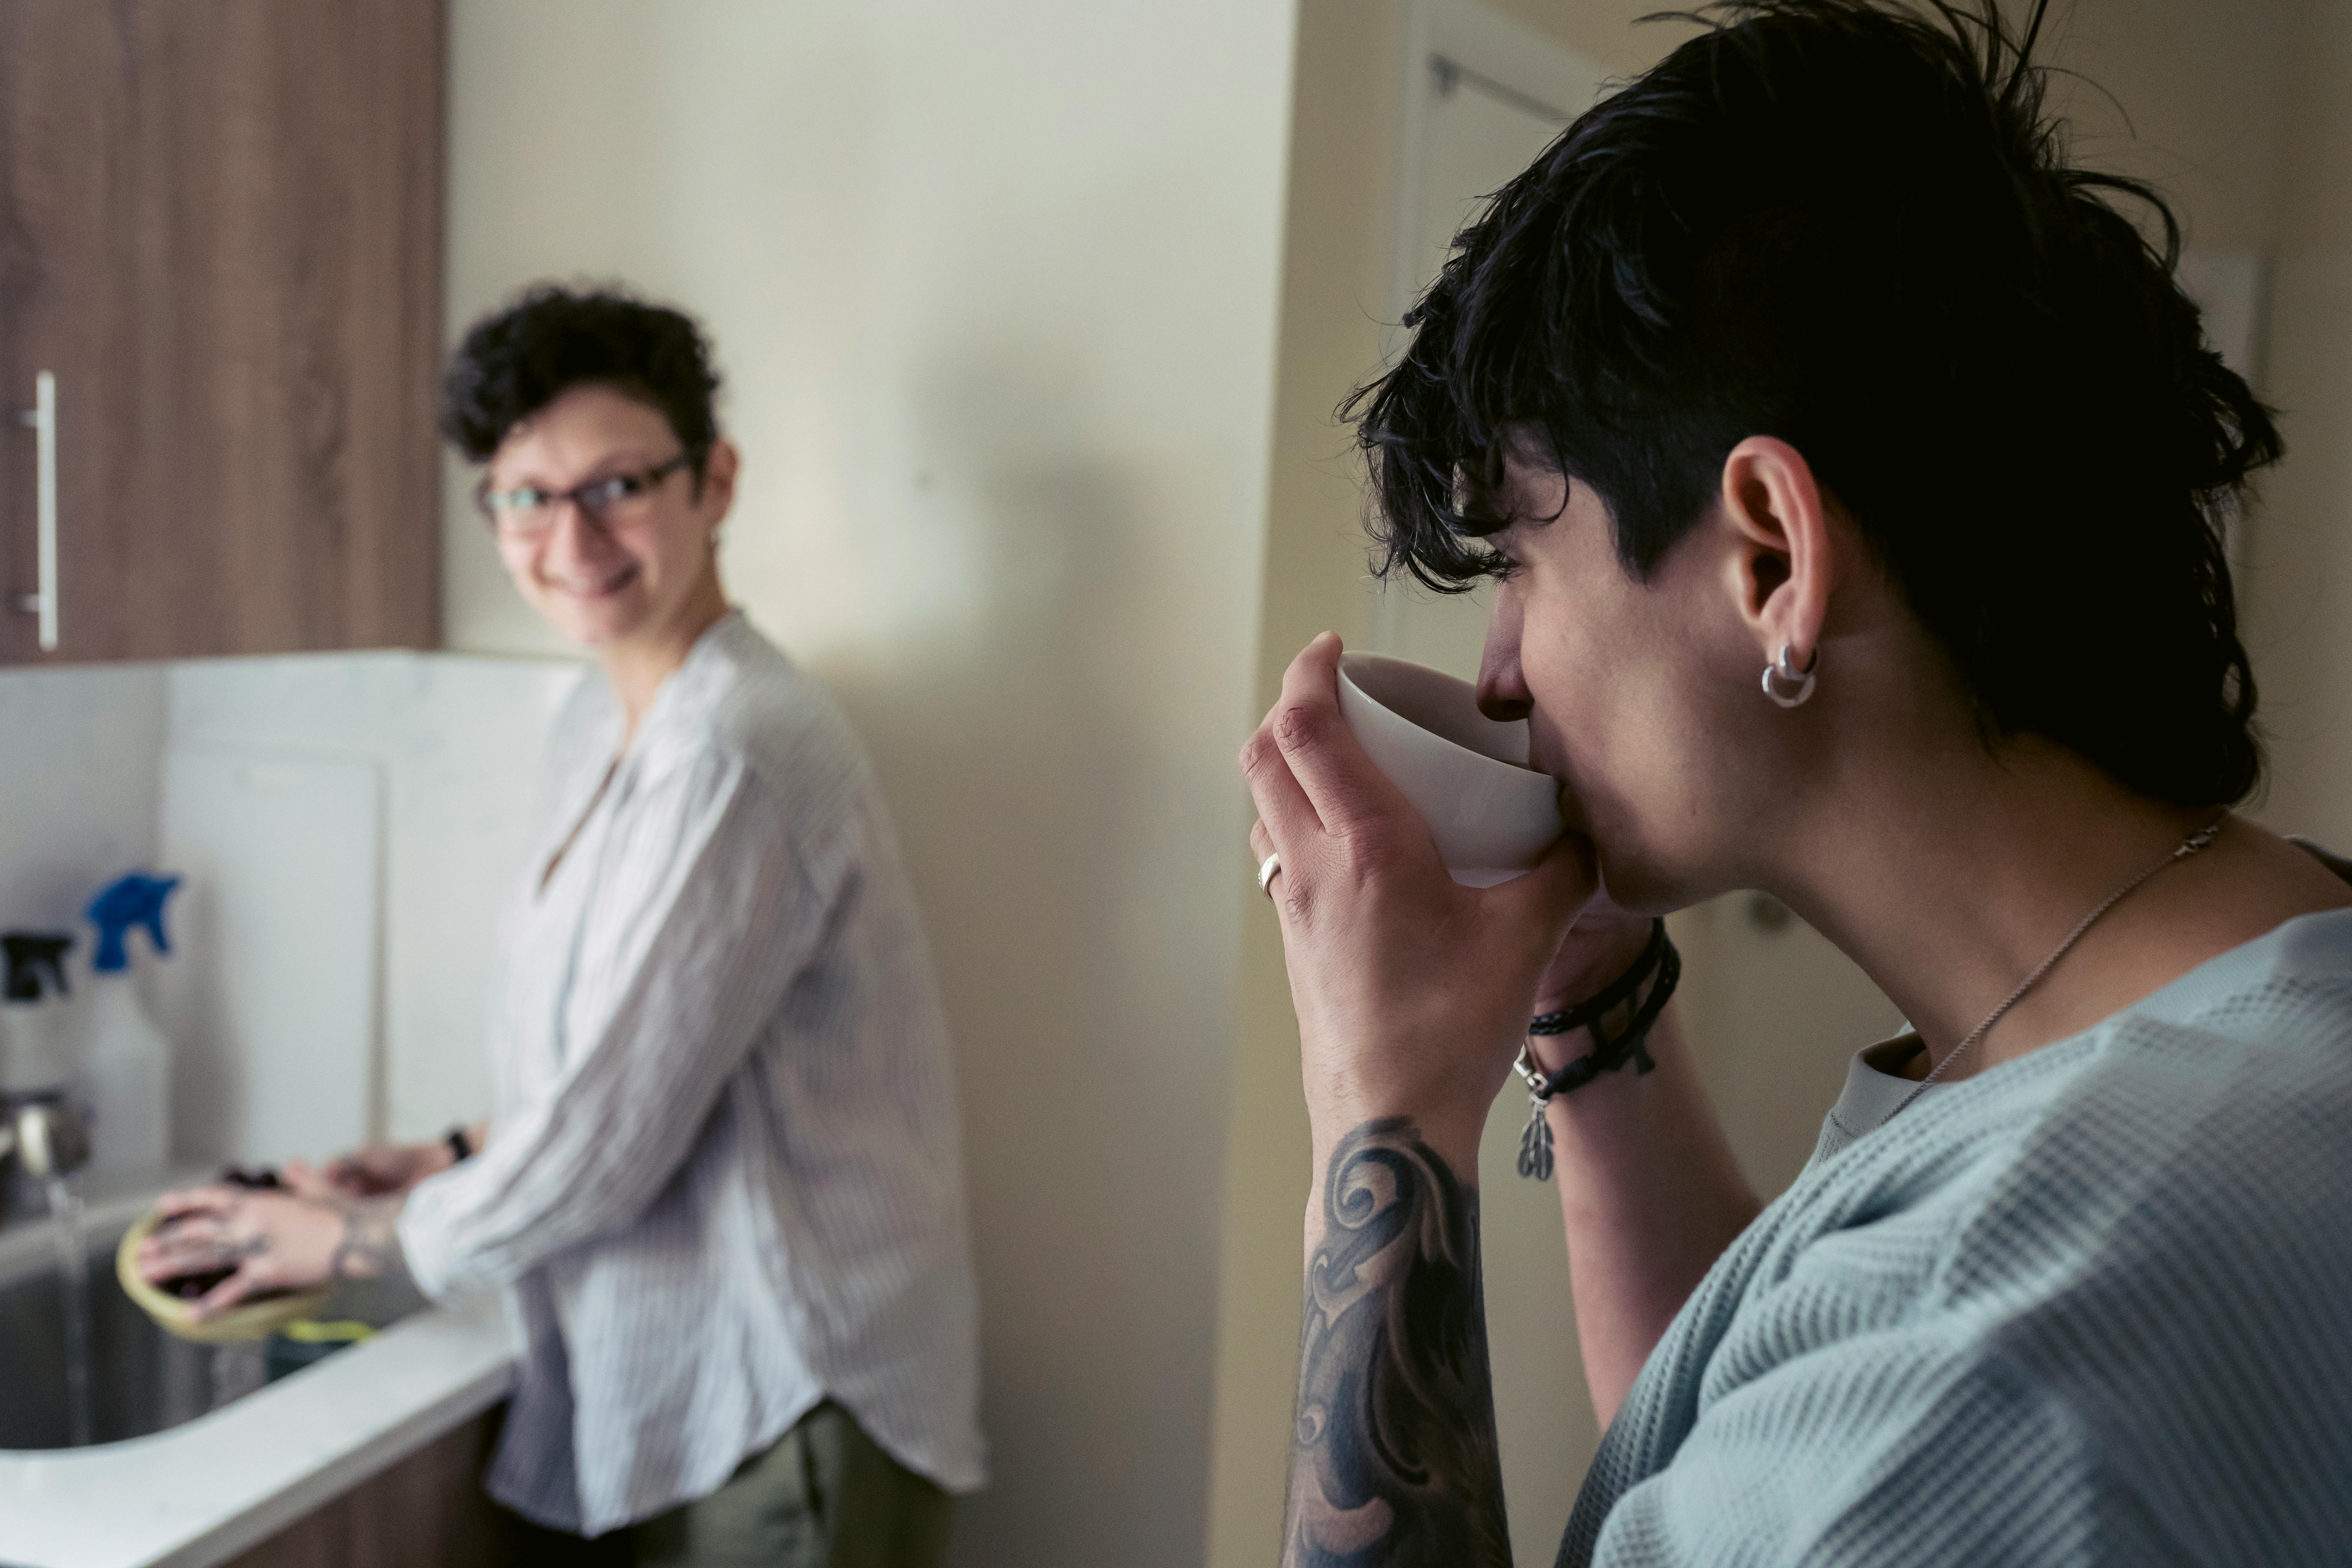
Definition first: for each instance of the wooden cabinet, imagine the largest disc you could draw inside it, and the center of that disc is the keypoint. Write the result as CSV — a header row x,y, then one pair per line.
x,y
428,1508
220,231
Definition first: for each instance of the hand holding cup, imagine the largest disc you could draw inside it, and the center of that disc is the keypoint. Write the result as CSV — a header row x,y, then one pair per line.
x,y
1413,990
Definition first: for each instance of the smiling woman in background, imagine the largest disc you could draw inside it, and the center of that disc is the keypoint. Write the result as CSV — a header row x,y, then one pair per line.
x,y
1807,356
721,1183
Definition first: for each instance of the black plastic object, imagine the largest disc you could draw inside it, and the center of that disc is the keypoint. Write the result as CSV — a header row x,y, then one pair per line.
x,y
286,1356
34,956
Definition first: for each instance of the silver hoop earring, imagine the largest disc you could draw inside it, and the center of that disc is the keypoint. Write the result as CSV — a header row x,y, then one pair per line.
x,y
1787,685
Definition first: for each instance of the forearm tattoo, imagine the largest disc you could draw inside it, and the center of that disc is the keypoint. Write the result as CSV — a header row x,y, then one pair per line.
x,y
1395,1461
369,1244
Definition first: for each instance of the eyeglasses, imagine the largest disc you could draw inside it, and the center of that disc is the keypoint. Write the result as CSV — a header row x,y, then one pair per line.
x,y
527,511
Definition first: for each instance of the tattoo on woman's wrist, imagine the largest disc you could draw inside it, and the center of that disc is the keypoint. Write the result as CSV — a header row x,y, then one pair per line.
x,y
370,1244
1394,1459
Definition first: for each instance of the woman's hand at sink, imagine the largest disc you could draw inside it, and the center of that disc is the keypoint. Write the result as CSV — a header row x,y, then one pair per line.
x,y
380,1169
269,1241
385,1170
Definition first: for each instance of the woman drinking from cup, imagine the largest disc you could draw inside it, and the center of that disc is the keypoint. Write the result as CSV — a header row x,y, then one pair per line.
x,y
1853,474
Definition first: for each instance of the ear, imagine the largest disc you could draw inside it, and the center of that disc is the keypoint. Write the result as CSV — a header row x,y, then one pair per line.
x,y
1780,570
720,467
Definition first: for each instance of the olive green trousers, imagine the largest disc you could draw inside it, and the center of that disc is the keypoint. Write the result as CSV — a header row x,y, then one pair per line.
x,y
824,1496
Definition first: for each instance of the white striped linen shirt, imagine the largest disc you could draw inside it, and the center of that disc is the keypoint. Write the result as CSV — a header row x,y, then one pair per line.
x,y
723,1180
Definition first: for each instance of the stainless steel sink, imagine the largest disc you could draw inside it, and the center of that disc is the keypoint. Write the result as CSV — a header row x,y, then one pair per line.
x,y
143,1380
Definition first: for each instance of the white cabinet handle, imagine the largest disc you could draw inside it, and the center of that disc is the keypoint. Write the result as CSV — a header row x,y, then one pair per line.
x,y
43,419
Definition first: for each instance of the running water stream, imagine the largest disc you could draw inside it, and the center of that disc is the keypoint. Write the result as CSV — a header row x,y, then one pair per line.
x,y
73,1282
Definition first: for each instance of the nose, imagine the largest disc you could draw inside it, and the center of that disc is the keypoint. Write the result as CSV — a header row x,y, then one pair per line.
x,y
1503,694
577,533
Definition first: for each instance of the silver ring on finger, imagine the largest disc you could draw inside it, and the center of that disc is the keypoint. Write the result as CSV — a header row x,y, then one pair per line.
x,y
1267,869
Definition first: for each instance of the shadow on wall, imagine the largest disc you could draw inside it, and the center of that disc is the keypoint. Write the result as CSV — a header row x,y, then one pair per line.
x,y
1047,836
208,1073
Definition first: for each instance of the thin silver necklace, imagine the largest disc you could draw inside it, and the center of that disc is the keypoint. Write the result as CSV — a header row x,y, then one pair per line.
x,y
2181,851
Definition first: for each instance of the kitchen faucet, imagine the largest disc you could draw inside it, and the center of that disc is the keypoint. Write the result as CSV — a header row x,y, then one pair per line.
x,y
47,1140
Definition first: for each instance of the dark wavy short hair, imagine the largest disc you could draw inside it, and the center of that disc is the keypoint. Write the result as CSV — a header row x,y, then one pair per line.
x,y
519,359
1851,223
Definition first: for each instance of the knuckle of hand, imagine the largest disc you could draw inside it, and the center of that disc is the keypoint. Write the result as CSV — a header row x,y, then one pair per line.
x,y
1361,849
1296,724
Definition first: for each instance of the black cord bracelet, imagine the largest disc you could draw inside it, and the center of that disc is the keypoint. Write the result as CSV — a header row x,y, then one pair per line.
x,y
1660,959
461,1148
1593,1008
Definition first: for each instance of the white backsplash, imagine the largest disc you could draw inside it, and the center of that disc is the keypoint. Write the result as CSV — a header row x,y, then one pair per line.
x,y
447,748
273,1004
80,784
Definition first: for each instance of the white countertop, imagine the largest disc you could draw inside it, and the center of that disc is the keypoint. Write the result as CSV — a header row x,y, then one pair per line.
x,y
202,1492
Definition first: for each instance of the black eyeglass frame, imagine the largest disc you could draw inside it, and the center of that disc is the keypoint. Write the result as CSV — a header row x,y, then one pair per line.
x,y
593,499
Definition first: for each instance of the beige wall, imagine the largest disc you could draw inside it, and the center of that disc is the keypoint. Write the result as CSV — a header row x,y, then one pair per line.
x,y
994,290
2234,108
2298,593
1335,284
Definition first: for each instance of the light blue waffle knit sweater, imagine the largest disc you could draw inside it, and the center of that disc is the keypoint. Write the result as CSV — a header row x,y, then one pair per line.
x,y
2092,1306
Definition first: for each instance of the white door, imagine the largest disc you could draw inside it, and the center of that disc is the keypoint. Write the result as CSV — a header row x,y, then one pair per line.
x,y
1485,97
1775,1010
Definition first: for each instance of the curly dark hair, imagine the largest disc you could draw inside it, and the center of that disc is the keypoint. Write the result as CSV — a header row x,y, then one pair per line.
x,y
1851,223
520,358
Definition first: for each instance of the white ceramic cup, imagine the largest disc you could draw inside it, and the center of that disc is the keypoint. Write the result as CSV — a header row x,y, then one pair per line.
x,y
1492,815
